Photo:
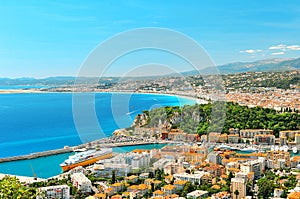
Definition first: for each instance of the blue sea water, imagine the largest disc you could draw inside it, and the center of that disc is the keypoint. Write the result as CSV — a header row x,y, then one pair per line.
x,y
38,122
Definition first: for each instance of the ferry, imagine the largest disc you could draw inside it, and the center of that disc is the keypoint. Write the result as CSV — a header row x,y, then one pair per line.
x,y
86,158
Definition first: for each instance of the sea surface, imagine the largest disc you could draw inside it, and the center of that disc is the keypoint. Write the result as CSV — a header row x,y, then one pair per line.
x,y
34,122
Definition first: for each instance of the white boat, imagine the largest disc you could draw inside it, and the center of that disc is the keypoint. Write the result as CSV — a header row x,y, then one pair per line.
x,y
295,150
249,149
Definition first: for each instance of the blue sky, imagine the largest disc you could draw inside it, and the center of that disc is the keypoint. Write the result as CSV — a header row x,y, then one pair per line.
x,y
53,38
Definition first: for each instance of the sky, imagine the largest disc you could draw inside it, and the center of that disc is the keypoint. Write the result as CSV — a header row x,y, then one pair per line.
x,y
53,38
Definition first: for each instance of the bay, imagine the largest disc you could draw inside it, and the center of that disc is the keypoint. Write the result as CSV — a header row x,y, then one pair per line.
x,y
35,122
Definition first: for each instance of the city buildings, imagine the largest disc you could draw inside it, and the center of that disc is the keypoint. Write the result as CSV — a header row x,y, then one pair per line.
x,y
57,192
81,182
264,139
250,133
238,184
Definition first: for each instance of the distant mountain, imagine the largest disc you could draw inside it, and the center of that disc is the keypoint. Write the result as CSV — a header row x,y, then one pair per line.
x,y
257,66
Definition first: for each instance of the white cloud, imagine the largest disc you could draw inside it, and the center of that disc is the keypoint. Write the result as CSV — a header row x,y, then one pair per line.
x,y
278,53
293,47
250,51
278,47
284,47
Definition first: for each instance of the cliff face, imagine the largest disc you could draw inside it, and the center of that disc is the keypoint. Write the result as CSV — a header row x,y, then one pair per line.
x,y
141,120
186,118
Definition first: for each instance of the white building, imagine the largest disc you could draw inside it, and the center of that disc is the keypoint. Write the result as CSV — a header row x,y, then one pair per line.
x,y
81,182
190,177
135,160
161,163
250,133
252,166
214,157
58,192
197,194
106,169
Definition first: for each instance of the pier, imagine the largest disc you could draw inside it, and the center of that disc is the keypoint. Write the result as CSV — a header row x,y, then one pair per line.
x,y
82,146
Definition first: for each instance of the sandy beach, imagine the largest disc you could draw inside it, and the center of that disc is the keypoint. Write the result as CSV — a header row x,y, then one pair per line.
x,y
16,91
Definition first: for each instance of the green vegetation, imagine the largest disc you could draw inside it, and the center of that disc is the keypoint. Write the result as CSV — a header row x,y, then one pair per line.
x,y
11,188
270,181
198,118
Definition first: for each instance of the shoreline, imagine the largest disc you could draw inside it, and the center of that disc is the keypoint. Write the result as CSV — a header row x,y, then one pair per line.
x,y
189,96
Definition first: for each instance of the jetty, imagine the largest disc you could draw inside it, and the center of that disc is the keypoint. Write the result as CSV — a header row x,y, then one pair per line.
x,y
93,144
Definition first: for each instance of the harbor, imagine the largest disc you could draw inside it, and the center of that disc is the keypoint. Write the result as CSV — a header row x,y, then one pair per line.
x,y
67,149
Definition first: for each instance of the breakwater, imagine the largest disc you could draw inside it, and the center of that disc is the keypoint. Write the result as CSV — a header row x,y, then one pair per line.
x,y
93,144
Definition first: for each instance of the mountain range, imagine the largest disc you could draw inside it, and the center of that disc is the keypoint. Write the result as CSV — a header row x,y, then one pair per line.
x,y
266,65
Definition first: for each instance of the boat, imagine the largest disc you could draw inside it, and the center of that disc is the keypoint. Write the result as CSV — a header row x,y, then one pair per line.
x,y
86,158
249,149
295,150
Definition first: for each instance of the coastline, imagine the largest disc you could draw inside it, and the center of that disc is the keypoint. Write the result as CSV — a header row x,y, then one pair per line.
x,y
189,96
19,91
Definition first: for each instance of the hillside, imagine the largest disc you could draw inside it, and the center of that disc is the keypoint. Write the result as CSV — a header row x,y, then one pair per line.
x,y
198,118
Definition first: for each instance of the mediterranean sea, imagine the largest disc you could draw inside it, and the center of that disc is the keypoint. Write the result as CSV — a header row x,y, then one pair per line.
x,y
35,122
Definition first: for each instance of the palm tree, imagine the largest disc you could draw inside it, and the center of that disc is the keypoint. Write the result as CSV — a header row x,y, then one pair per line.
x,y
236,193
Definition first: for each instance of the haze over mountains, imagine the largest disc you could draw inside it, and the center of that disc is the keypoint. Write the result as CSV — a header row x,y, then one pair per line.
x,y
275,64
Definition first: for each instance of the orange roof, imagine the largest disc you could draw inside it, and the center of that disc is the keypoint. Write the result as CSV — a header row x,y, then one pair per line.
x,y
158,192
294,195
224,176
126,193
133,187
116,184
180,182
233,169
109,189
131,177
116,197
171,196
216,187
143,186
169,187
100,195
158,197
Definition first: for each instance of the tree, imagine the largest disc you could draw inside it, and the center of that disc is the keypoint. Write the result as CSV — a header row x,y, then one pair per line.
x,y
113,176
266,185
236,193
11,188
151,175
